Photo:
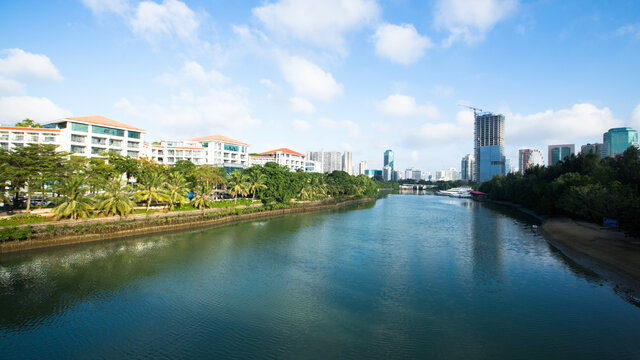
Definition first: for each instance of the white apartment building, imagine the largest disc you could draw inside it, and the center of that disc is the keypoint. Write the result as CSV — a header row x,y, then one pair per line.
x,y
313,166
223,151
261,160
293,160
170,152
15,137
362,168
332,161
347,165
90,136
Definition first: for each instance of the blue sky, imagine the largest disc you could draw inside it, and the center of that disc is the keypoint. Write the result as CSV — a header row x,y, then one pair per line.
x,y
358,75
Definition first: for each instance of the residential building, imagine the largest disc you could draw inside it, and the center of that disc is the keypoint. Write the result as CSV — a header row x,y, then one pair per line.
x,y
347,165
91,136
388,159
223,151
557,153
286,157
312,166
467,166
488,134
440,175
597,148
387,173
331,161
492,162
413,174
316,156
262,160
617,140
15,137
451,174
398,175
362,168
170,152
371,173
528,158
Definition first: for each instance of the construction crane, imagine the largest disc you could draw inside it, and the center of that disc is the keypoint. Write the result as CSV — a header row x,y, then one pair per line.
x,y
475,109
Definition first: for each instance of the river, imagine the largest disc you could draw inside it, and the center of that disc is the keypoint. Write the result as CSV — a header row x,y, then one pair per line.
x,y
407,277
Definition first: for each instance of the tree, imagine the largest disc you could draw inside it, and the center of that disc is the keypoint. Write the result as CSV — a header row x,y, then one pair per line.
x,y
177,189
116,198
202,199
28,123
256,182
73,203
152,188
237,185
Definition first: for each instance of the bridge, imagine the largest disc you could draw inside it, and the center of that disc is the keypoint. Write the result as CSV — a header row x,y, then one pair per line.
x,y
417,187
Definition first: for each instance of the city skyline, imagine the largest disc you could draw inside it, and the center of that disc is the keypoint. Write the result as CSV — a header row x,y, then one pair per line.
x,y
187,69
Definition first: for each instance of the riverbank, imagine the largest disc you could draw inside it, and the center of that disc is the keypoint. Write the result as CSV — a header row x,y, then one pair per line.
x,y
61,233
606,251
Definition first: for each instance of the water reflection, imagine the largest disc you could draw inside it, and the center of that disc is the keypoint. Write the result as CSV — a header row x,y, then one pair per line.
x,y
487,243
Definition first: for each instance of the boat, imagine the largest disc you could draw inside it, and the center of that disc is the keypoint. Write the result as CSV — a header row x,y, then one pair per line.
x,y
459,192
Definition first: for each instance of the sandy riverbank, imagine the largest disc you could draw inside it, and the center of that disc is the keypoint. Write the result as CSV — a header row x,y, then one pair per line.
x,y
113,227
605,251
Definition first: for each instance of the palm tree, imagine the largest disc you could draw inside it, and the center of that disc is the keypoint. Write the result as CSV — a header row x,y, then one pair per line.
x,y
115,200
201,199
237,185
177,189
73,202
256,183
152,188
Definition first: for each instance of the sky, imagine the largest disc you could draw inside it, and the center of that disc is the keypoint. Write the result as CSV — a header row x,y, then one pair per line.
x,y
338,75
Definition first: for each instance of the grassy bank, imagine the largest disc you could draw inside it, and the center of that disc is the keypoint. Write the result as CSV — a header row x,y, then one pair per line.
x,y
80,231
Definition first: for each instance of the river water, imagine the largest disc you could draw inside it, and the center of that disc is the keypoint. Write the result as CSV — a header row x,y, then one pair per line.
x,y
407,277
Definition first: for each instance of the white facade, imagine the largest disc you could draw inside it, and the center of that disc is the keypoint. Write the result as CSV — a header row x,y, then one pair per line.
x,y
223,151
90,136
362,168
15,137
332,161
440,175
347,165
313,166
293,160
177,151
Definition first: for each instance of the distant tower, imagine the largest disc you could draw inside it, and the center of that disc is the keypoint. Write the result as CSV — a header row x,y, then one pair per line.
x,y
489,146
467,167
347,165
362,169
388,159
558,153
617,140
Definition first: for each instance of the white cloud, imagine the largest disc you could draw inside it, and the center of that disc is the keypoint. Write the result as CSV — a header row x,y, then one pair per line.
x,y
19,63
193,73
301,125
632,30
308,79
322,23
635,118
269,84
404,105
11,87
171,17
15,108
327,123
301,105
400,43
104,6
580,122
443,133
471,20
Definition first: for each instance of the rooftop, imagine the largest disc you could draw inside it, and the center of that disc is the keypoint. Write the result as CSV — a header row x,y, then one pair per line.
x,y
14,128
284,150
101,120
218,138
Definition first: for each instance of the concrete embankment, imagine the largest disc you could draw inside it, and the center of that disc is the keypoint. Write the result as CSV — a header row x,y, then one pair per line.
x,y
52,234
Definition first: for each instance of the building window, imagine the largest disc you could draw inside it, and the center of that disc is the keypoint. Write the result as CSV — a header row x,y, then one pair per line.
x,y
4,146
134,134
116,143
79,127
33,137
49,139
18,137
77,138
98,141
77,149
49,126
205,145
107,131
230,147
132,153
132,145
4,136
96,151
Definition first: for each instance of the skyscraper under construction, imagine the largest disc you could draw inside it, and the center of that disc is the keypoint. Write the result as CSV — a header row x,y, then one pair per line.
x,y
489,145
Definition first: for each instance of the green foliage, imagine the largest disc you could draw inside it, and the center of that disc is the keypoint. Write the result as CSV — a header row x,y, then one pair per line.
x,y
583,186
152,188
28,123
73,203
22,219
15,233
116,199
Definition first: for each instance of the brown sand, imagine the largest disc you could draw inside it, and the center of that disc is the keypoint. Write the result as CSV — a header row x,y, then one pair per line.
x,y
608,252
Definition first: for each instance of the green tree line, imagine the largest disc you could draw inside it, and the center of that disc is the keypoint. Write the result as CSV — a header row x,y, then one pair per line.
x,y
113,185
584,187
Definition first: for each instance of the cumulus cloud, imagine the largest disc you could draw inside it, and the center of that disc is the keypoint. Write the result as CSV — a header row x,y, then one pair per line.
x,y
469,21
444,132
400,43
323,23
581,121
193,73
16,108
404,105
21,64
301,125
301,105
11,87
308,79
171,17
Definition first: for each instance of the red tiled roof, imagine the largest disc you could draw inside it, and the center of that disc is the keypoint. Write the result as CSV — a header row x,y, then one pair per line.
x,y
178,147
28,129
218,138
101,120
284,150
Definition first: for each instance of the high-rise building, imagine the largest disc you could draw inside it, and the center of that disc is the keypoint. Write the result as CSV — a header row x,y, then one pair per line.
x,y
317,157
388,159
558,153
467,166
597,148
440,175
617,140
528,158
332,161
489,146
387,173
398,175
347,165
451,174
362,168
413,174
